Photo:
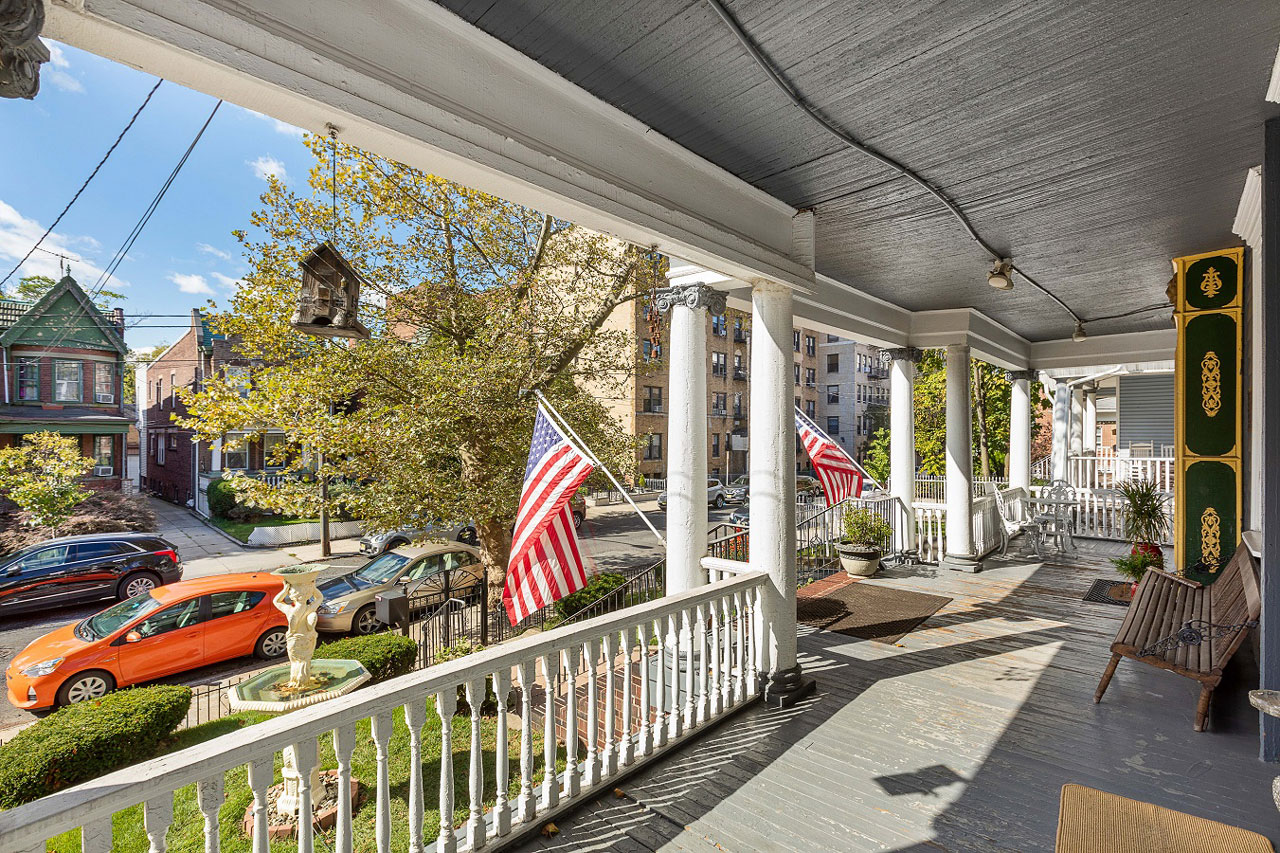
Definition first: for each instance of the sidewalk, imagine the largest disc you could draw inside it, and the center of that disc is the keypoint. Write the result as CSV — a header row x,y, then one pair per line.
x,y
205,551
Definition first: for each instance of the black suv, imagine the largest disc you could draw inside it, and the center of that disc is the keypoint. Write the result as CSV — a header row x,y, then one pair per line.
x,y
85,568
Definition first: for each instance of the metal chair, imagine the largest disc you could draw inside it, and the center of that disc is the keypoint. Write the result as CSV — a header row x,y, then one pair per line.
x,y
1013,521
1057,523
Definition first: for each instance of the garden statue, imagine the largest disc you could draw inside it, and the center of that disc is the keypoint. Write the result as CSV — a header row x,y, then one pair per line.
x,y
298,601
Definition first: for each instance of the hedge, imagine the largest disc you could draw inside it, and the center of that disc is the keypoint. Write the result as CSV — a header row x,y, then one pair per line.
x,y
385,655
597,587
222,499
88,739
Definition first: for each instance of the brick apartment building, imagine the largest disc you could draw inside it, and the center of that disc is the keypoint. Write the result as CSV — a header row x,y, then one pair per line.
x,y
175,465
63,362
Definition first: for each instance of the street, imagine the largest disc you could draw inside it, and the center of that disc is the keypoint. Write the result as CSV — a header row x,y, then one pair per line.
x,y
612,538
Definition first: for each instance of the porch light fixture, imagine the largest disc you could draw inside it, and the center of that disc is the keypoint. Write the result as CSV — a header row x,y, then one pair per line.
x,y
1001,275
1078,335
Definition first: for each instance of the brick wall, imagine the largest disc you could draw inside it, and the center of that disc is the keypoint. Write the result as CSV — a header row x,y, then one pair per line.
x,y
178,365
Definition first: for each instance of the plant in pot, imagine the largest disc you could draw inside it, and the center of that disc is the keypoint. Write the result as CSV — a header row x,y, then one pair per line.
x,y
864,536
1133,566
1145,521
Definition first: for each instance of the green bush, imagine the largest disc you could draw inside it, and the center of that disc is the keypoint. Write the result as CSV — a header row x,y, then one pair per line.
x,y
222,499
385,655
88,739
598,586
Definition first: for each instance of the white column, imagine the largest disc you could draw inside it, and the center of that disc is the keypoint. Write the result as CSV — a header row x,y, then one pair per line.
x,y
687,433
1020,429
1090,426
773,489
960,556
1061,426
902,435
1077,422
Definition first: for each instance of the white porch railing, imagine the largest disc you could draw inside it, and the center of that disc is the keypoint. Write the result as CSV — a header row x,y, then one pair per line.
x,y
933,488
931,526
600,656
1099,514
987,528
1106,471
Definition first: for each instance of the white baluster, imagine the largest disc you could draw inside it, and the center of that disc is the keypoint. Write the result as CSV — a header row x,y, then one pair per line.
x,y
646,734
700,649
686,649
726,679
660,686
381,725
95,837
674,726
475,816
572,771
591,768
625,742
609,755
305,758
527,802
502,769
261,772
344,743
740,686
209,797
713,623
550,784
157,814
446,706
758,658
415,717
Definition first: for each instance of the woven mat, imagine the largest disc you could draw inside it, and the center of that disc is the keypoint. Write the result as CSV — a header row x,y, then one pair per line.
x,y
1108,592
868,611
1092,821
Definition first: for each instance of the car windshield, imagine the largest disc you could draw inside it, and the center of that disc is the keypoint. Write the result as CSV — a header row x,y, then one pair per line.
x,y
380,570
742,480
114,618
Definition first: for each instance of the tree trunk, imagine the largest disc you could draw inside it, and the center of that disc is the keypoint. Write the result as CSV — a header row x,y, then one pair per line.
x,y
495,551
980,414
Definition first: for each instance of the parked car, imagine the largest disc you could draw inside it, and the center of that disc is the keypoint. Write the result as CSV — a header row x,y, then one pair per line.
x,y
372,544
807,486
715,495
160,632
349,599
739,490
76,569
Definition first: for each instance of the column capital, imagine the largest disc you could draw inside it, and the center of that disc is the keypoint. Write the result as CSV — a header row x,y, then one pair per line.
x,y
696,295
21,51
1014,375
911,354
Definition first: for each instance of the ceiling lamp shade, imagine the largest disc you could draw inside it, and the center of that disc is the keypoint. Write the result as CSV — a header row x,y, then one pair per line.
x,y
1001,275
329,300
1078,335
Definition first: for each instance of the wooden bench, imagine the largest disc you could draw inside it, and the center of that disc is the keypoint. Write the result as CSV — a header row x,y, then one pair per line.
x,y
1165,604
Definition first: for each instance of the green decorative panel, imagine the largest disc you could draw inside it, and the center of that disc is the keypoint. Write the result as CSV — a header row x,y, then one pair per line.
x,y
1210,378
1210,527
1212,282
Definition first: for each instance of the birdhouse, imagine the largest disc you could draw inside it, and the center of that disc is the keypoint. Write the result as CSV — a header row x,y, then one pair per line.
x,y
330,297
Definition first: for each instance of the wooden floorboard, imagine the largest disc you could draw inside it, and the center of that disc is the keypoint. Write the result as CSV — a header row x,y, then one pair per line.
x,y
958,738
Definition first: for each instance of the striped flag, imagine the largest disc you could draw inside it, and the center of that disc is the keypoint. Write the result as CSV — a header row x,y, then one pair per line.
x,y
840,476
546,564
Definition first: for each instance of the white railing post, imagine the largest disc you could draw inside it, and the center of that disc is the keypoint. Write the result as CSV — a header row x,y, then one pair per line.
x,y
446,707
502,806
527,801
476,828
415,717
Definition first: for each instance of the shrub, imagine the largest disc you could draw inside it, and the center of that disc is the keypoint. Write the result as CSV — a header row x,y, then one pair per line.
x,y
864,527
86,740
222,499
598,586
1134,565
385,655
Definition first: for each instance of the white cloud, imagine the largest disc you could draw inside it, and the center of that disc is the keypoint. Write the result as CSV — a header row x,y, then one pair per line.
x,y
266,167
18,234
213,250
226,280
190,283
277,125
57,57
58,75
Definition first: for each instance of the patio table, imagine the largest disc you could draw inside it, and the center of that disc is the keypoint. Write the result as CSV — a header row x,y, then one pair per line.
x,y
1060,507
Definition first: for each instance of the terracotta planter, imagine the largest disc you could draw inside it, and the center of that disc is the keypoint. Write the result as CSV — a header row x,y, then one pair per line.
x,y
858,560
1151,549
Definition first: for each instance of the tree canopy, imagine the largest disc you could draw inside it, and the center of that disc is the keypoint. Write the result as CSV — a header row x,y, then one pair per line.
x,y
32,287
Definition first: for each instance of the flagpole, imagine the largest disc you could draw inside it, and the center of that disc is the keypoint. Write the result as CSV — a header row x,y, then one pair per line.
x,y
586,450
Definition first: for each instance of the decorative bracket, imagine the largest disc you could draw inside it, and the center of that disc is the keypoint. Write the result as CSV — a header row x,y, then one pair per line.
x,y
696,295
1194,633
21,51
911,354
1014,375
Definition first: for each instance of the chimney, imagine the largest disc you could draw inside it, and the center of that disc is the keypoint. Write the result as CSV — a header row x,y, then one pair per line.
x,y
117,318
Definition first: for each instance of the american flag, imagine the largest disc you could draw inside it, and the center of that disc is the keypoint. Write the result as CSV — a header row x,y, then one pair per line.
x,y
840,476
546,564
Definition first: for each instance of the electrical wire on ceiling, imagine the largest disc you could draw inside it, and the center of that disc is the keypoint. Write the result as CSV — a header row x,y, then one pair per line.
x,y
793,94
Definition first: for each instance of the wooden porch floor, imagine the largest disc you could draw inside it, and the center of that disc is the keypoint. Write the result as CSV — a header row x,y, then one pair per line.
x,y
958,739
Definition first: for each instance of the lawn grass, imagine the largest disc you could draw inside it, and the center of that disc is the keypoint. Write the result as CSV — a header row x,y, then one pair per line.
x,y
242,529
186,834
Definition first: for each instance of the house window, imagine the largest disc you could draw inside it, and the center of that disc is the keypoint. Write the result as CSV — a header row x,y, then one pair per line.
x,y
28,379
104,452
271,444
833,362
737,405
719,364
810,345
833,425
833,394
160,449
104,383
652,399
810,407
797,402
831,339
238,377
719,403
66,381
795,339
173,389
810,377
737,366
653,450
796,367
718,326
715,444
237,459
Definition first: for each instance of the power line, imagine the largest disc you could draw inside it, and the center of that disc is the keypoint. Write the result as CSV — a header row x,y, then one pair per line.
x,y
48,230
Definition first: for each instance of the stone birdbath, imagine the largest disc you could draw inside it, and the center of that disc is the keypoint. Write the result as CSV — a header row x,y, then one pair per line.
x,y
1268,702
302,681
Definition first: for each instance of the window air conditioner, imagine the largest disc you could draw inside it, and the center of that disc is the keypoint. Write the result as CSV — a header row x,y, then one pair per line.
x,y
104,398
103,471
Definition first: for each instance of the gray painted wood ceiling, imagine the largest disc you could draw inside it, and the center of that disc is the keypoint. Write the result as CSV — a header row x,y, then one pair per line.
x,y
1094,141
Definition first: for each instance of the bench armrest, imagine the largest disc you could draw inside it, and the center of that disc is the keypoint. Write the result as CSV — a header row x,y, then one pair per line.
x,y
1175,578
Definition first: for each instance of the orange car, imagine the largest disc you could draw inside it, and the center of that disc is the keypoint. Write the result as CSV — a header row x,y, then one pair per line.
x,y
170,629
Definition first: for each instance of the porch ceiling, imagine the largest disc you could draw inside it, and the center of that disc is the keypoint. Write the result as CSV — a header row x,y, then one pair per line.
x,y
1092,141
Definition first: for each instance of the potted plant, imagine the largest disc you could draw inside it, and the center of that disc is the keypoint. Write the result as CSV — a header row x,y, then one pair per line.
x,y
860,547
1133,566
1145,522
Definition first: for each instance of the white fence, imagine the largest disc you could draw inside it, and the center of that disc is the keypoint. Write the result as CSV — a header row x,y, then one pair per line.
x,y
1108,471
724,624
1100,514
933,488
291,534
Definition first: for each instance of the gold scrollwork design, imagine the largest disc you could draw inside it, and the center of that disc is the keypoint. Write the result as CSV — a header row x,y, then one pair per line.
x,y
1211,538
1211,284
1211,383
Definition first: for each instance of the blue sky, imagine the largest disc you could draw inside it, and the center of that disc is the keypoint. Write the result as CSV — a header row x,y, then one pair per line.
x,y
186,256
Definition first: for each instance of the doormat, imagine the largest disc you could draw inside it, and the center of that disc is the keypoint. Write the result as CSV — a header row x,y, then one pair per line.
x,y
868,611
1108,592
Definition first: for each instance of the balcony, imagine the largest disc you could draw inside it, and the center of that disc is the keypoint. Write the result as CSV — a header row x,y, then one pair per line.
x,y
652,409
740,374
740,336
719,412
878,371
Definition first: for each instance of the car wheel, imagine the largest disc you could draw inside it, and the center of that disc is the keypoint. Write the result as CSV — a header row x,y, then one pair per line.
x,y
578,518
468,536
365,621
719,501
272,644
85,686
135,584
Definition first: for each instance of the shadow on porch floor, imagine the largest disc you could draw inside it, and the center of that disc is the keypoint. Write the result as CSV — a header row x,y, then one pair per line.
x,y
957,739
